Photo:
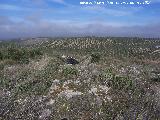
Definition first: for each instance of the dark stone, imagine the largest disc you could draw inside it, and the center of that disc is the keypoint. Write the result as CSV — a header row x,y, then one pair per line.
x,y
72,61
155,76
64,119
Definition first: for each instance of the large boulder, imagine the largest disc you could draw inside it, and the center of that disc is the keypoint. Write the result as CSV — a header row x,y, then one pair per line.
x,y
64,119
71,60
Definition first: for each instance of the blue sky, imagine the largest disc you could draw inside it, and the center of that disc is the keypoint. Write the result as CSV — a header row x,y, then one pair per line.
x,y
49,18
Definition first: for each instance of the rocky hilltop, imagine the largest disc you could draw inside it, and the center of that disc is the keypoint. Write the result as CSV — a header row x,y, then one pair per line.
x,y
113,79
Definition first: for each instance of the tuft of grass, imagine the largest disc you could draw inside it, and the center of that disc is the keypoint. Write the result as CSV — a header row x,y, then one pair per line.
x,y
6,83
95,57
34,52
69,72
2,66
118,82
121,83
33,87
1,55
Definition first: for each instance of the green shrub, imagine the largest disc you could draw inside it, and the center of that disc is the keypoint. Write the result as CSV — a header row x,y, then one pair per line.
x,y
21,55
118,82
1,66
69,71
35,52
1,56
25,87
121,83
33,87
95,57
42,87
6,83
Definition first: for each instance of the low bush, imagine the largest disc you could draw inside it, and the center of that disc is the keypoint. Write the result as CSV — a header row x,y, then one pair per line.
x,y
1,55
155,76
121,83
20,55
1,66
95,57
35,52
69,72
118,82
33,87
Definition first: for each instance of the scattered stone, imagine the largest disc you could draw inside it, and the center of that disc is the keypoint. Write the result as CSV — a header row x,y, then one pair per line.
x,y
54,86
104,88
45,113
69,93
51,102
93,90
63,56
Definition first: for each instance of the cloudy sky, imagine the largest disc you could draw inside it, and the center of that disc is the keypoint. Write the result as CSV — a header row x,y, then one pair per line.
x,y
49,18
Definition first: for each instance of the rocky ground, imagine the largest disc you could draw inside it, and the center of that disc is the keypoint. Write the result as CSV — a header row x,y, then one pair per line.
x,y
96,88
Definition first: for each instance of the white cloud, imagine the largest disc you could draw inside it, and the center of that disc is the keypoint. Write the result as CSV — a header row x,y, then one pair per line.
x,y
125,11
9,7
46,28
58,1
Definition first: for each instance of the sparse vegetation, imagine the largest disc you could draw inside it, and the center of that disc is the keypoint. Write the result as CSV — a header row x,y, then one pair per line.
x,y
115,79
